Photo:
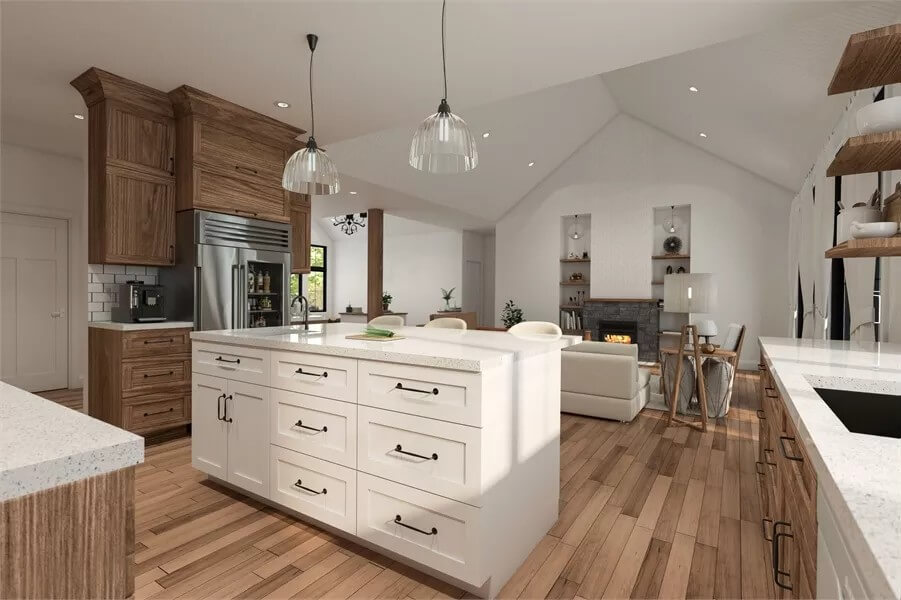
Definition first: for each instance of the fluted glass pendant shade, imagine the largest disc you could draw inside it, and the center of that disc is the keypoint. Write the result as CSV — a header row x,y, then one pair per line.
x,y
311,171
443,142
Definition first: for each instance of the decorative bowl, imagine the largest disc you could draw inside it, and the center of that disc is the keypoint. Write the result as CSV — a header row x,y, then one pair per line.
x,y
880,229
859,214
880,117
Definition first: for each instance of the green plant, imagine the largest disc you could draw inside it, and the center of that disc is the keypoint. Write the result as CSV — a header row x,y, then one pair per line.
x,y
386,300
447,295
511,315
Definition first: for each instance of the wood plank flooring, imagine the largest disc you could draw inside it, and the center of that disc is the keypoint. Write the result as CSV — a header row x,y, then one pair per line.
x,y
68,398
646,512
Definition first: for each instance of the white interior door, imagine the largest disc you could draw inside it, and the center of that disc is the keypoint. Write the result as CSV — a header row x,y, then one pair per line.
x,y
472,287
34,300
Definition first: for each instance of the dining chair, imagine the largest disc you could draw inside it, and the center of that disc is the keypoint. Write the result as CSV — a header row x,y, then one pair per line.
x,y
446,323
387,321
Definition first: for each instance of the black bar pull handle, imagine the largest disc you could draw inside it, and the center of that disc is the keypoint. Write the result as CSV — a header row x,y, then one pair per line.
x,y
398,448
227,418
777,572
160,412
771,392
770,450
220,413
300,371
299,484
434,530
400,386
237,361
759,466
761,415
782,440
302,426
159,374
160,341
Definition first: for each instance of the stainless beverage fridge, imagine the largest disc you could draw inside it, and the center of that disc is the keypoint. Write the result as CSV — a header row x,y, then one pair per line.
x,y
216,256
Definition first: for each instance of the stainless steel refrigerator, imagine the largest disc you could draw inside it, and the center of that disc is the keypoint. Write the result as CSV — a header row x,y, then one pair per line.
x,y
216,255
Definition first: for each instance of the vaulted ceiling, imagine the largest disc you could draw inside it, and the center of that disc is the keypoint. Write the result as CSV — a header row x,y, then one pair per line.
x,y
525,71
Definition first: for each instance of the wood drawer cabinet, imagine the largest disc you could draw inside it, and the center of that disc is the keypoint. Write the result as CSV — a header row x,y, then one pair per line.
x,y
789,495
230,159
140,380
131,177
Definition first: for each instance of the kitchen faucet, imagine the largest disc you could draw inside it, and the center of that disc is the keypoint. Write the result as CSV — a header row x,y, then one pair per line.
x,y
306,309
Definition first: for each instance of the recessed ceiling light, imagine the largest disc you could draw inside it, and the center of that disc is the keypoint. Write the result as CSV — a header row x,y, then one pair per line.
x,y
281,104
532,164
353,193
692,89
486,134
79,116
702,134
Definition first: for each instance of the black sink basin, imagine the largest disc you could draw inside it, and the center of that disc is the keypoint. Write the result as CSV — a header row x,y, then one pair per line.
x,y
863,412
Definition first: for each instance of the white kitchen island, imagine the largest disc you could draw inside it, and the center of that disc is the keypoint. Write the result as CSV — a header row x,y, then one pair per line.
x,y
441,450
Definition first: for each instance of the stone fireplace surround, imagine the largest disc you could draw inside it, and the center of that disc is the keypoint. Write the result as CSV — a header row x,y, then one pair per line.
x,y
643,311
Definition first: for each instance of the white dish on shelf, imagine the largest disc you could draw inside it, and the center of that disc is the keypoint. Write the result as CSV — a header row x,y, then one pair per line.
x,y
880,117
880,229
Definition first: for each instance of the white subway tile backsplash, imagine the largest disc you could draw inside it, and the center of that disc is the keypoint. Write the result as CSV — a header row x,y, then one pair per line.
x,y
95,306
136,270
150,279
95,268
102,297
114,269
124,278
103,286
95,287
153,270
110,305
103,278
110,287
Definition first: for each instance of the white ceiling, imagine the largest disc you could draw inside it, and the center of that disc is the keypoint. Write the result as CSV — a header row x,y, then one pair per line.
x,y
762,99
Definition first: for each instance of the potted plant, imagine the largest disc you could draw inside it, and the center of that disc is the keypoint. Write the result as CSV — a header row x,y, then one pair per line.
x,y
511,315
386,301
447,295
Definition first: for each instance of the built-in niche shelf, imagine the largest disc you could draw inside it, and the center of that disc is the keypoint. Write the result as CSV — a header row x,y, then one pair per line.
x,y
575,260
871,58
669,221
575,244
671,257
571,307
657,282
576,282
868,247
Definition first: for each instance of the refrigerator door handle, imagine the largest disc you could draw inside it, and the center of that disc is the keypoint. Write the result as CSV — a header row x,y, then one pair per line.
x,y
235,291
198,325
242,294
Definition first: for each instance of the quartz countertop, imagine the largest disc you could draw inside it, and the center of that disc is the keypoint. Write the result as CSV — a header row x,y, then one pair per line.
x,y
463,350
142,326
44,444
859,475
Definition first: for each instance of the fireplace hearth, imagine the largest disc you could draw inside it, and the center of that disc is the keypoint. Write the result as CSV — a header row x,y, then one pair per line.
x,y
618,332
637,318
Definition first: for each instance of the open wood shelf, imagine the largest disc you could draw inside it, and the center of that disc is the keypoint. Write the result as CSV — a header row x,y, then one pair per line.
x,y
575,260
580,282
868,247
656,283
867,154
570,307
871,58
671,257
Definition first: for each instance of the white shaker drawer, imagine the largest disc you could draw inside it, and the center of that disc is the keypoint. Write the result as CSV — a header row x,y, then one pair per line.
x,y
441,457
320,427
250,365
316,488
435,393
315,374
428,529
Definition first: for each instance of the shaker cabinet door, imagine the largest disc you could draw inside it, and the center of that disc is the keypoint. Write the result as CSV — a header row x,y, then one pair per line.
x,y
143,141
247,415
300,233
139,223
209,442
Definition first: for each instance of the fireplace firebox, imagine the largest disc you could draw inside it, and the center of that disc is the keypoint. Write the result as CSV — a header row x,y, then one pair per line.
x,y
618,332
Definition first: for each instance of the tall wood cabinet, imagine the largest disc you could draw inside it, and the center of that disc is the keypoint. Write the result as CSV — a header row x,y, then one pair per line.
x,y
299,208
131,170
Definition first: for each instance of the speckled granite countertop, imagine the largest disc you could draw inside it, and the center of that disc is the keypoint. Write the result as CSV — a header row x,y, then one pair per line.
x,y
44,444
860,475
463,350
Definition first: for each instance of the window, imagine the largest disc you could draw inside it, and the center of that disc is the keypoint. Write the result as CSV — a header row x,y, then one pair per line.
x,y
317,284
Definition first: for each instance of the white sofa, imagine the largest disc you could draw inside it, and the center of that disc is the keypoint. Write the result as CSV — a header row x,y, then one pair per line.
x,y
603,380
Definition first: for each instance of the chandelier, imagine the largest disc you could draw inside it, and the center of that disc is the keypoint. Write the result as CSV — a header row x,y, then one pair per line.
x,y
349,224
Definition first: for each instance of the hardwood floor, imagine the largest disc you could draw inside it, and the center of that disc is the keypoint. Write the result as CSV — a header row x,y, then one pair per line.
x,y
646,512
68,398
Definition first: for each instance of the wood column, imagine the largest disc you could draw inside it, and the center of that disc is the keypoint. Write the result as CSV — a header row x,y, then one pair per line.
x,y
375,257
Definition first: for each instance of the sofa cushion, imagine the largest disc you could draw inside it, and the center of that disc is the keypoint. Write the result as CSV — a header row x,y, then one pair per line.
x,y
599,374
605,348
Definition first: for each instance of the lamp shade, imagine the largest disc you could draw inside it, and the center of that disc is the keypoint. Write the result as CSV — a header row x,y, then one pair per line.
x,y
443,144
689,293
310,171
706,327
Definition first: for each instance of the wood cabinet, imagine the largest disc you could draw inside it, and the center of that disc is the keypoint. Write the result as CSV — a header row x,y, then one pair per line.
x,y
230,159
789,496
301,220
140,380
131,177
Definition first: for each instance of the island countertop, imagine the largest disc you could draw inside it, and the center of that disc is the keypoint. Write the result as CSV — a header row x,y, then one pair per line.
x,y
860,475
463,350
44,444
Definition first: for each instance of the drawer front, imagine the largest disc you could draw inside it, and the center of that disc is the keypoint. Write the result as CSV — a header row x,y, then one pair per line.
x,y
435,393
329,492
243,155
157,411
315,374
320,427
155,342
250,365
445,535
443,458
145,375
223,193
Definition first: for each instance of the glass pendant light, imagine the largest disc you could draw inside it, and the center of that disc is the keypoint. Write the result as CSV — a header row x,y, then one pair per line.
x,y
574,232
443,142
670,224
310,170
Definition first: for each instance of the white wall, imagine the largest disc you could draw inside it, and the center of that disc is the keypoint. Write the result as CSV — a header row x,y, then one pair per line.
x,y
420,260
739,222
488,280
51,185
348,287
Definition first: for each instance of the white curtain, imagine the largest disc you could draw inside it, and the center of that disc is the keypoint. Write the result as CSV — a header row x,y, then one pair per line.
x,y
824,217
860,273
807,260
794,250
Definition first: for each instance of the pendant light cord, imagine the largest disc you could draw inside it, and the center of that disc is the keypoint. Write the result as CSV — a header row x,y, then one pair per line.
x,y
443,54
312,111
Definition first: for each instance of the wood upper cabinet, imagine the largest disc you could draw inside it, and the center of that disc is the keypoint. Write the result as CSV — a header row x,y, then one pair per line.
x,y
230,159
131,182
300,233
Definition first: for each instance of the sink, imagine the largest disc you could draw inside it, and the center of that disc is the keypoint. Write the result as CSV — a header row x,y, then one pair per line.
x,y
865,412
